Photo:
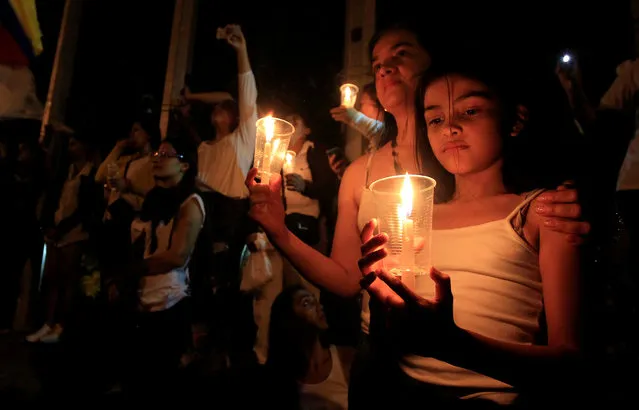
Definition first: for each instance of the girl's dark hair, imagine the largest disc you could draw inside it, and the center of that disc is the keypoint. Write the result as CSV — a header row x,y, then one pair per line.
x,y
233,109
150,124
289,337
505,92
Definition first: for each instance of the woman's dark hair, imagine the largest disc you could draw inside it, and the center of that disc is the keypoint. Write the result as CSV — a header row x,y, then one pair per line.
x,y
184,146
162,204
149,124
290,337
233,109
505,93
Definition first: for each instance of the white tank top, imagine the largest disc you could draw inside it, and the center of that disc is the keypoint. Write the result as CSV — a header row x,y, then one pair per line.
x,y
496,283
160,292
365,213
331,394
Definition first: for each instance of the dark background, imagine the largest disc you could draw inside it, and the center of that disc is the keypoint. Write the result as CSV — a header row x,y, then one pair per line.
x,y
296,49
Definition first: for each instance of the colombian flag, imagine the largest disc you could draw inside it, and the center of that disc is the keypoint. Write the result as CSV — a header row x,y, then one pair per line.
x,y
20,34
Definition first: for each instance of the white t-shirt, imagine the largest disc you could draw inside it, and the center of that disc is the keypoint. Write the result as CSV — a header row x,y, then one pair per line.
x,y
224,163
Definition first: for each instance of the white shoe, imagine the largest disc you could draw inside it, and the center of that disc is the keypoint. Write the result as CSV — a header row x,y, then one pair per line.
x,y
35,337
53,336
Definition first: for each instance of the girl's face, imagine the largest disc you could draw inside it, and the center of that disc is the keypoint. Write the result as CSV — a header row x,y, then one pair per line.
x,y
166,162
463,122
397,61
308,308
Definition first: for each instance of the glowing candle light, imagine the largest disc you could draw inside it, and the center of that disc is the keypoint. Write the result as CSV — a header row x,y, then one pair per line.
x,y
289,162
408,227
269,127
349,95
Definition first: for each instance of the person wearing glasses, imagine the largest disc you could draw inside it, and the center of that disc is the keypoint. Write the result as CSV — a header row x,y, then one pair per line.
x,y
167,228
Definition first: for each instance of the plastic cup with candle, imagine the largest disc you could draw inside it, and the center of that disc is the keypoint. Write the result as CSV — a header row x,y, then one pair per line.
x,y
349,95
271,143
289,162
404,209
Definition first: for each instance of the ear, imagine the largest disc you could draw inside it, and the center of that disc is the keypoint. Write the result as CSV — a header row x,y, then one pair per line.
x,y
521,119
184,166
307,132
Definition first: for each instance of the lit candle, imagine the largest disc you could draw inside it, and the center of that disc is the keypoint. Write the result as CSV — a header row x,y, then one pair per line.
x,y
288,163
407,258
349,95
269,129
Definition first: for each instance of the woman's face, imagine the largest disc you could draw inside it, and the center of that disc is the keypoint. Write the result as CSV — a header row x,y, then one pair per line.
x,y
463,121
308,308
397,61
301,130
138,136
166,162
221,117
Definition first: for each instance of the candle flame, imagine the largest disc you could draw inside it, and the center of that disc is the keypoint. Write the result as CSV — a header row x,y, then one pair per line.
x,y
347,95
269,127
406,194
289,158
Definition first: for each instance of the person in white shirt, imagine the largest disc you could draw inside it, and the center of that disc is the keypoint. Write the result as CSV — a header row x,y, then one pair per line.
x,y
225,161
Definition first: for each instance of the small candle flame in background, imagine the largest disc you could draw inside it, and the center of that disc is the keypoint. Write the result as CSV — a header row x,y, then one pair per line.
x,y
289,158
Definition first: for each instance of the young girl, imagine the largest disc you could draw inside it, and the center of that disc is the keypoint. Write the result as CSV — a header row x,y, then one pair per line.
x,y
502,266
315,372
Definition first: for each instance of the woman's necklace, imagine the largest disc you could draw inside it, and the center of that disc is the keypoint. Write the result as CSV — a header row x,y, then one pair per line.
x,y
399,170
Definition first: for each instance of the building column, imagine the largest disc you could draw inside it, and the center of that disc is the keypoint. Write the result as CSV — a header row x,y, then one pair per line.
x,y
180,56
360,27
63,64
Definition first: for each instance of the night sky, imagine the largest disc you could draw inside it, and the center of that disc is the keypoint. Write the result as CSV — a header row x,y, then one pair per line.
x,y
296,49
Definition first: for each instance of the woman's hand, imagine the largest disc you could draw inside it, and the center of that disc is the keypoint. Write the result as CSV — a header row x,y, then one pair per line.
x,y
234,36
267,207
295,182
562,212
416,325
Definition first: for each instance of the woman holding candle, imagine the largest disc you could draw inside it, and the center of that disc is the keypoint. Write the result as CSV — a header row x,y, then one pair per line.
x,y
398,58
472,333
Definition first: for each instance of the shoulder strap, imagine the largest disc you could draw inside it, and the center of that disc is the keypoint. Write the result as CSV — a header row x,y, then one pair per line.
x,y
369,163
517,217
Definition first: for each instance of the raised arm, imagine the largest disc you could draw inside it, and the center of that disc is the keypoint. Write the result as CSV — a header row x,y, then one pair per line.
x,y
212,97
247,101
369,128
339,273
